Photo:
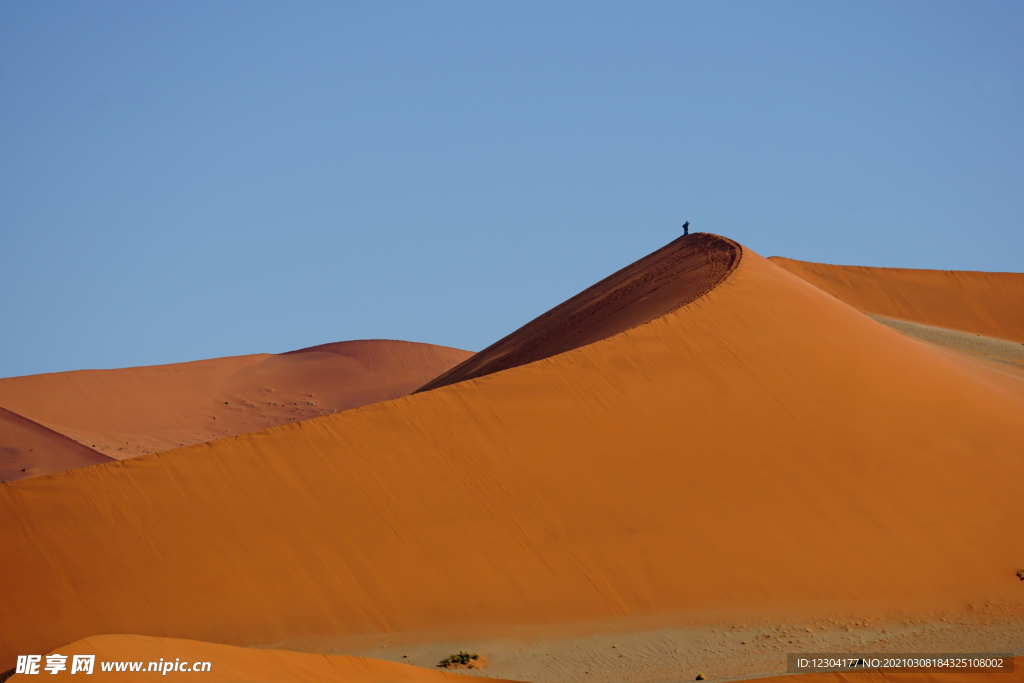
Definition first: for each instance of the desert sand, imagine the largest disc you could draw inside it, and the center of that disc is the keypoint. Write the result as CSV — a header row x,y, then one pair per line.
x,y
238,665
735,648
1008,354
988,304
889,677
896,677
659,283
132,411
623,662
28,449
764,449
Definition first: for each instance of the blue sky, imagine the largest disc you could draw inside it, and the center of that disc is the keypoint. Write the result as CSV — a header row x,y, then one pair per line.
x,y
190,180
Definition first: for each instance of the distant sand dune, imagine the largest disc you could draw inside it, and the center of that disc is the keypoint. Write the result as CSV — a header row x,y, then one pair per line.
x,y
764,447
131,411
990,304
28,449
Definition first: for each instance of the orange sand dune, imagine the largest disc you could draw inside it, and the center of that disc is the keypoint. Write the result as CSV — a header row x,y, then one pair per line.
x,y
765,447
238,665
673,276
131,411
28,449
990,304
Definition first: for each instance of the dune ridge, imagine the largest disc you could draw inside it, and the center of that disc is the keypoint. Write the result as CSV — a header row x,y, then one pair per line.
x,y
391,355
989,304
131,411
680,272
765,447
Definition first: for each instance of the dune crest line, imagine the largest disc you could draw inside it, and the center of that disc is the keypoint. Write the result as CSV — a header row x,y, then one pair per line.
x,y
661,282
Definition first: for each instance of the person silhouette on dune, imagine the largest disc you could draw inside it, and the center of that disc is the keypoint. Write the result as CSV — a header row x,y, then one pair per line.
x,y
686,228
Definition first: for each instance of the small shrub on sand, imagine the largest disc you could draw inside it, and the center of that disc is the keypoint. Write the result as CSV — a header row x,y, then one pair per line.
x,y
463,658
1020,574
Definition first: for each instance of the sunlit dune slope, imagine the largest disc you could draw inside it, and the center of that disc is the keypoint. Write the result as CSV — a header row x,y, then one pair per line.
x,y
676,274
765,447
131,411
28,449
240,665
989,304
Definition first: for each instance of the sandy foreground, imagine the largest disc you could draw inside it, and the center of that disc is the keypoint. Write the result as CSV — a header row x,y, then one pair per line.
x,y
594,652
637,652
234,664
763,464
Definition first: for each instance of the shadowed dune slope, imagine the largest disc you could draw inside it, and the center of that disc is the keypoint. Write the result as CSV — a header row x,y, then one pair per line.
x,y
131,411
28,449
765,447
989,304
230,664
678,273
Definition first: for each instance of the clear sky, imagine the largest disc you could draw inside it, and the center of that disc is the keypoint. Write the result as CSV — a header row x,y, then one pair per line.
x,y
186,180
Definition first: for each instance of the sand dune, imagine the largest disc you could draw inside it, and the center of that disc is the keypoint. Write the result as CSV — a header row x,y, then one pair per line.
x,y
764,447
132,411
989,304
239,665
28,449
673,276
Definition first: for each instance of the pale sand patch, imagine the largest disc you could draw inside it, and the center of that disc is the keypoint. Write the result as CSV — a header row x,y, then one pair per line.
x,y
722,652
986,303
966,342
